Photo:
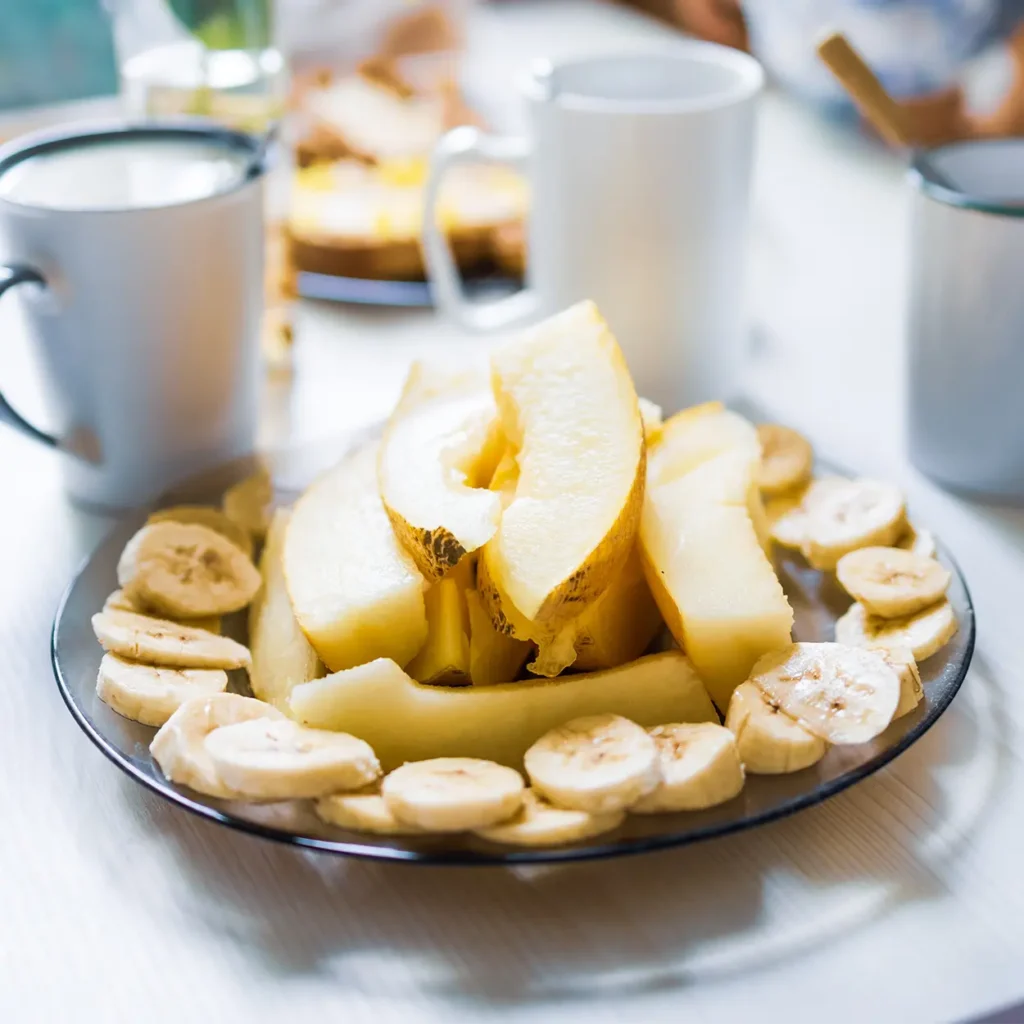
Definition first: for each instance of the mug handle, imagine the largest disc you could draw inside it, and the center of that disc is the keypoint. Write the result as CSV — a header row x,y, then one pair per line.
x,y
10,275
469,145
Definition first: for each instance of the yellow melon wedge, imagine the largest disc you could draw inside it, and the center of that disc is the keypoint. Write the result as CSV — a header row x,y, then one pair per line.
x,y
708,572
405,721
356,593
620,625
650,413
282,657
438,454
493,657
570,412
505,477
697,435
444,658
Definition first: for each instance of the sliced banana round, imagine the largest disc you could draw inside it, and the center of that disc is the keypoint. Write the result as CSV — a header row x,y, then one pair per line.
x,y
890,582
842,694
768,740
453,794
903,663
918,540
118,601
282,760
213,518
149,694
598,763
162,642
924,632
249,503
539,823
362,812
789,515
859,514
787,459
700,767
184,570
180,745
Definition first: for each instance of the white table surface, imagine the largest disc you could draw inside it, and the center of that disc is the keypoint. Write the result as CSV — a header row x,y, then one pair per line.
x,y
900,900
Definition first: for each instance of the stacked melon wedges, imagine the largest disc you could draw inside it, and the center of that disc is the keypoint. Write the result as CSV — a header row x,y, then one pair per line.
x,y
505,558
473,579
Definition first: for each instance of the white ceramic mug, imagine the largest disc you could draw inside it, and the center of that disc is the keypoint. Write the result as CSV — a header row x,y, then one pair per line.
x,y
965,352
639,172
146,319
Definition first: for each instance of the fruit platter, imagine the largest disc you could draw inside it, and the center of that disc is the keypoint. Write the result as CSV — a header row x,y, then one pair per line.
x,y
531,618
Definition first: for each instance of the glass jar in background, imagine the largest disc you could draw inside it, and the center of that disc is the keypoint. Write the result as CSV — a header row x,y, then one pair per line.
x,y
217,59
206,58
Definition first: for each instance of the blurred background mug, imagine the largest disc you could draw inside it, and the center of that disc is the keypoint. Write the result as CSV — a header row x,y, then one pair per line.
x,y
966,318
138,255
639,172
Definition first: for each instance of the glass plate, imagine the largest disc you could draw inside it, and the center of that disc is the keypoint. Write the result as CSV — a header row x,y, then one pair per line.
x,y
817,601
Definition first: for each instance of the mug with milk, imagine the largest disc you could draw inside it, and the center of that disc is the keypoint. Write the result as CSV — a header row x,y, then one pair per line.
x,y
639,172
137,252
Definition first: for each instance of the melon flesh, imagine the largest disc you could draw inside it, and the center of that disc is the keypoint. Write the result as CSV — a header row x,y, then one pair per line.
x,y
406,721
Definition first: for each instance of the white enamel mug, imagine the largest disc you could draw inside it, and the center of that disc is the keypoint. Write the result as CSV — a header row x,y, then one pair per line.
x,y
965,352
146,319
639,172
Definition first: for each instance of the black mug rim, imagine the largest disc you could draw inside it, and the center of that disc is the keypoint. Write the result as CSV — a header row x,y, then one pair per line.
x,y
69,136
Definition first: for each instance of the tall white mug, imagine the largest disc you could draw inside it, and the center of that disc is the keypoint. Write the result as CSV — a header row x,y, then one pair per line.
x,y
639,173
144,302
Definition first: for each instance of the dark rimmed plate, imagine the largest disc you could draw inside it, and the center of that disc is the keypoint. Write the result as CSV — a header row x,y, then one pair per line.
x,y
817,601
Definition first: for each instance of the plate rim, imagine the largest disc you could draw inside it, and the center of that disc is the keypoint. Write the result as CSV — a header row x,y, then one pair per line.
x,y
503,856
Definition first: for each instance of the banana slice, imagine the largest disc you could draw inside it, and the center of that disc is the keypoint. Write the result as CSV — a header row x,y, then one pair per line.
x,y
538,823
453,794
700,767
150,695
118,601
789,515
842,694
161,642
918,540
249,503
362,812
860,514
184,570
911,691
768,740
890,582
598,763
180,748
787,459
923,633
213,518
282,760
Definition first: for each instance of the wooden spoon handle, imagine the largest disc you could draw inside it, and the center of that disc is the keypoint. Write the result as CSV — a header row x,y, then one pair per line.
x,y
866,91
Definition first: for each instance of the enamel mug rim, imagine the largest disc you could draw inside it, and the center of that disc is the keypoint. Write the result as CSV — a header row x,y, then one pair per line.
x,y
922,180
